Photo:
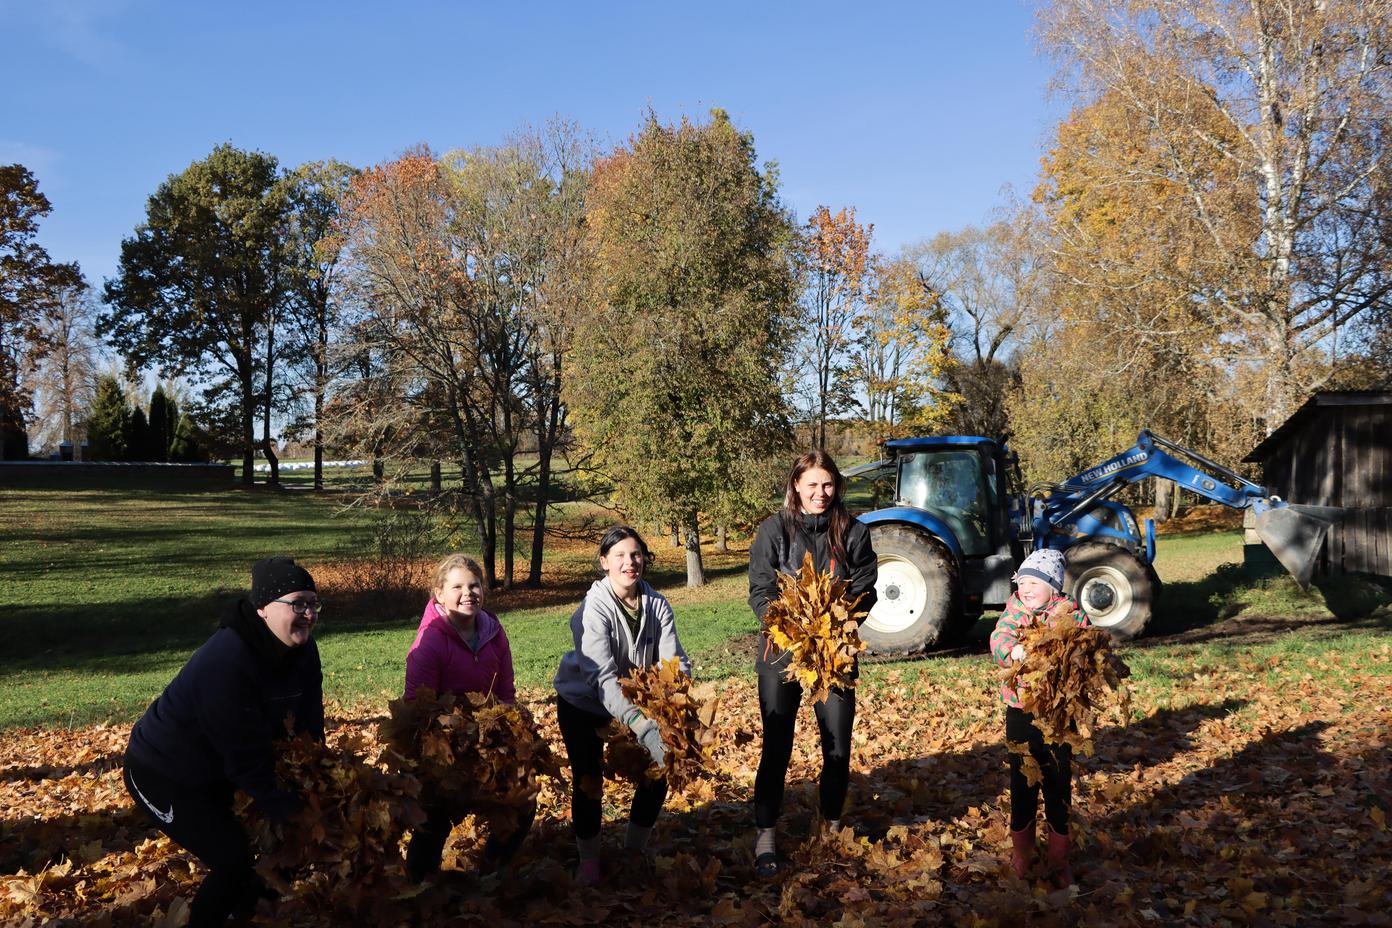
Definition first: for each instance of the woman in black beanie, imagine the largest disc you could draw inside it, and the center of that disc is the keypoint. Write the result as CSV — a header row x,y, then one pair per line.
x,y
211,731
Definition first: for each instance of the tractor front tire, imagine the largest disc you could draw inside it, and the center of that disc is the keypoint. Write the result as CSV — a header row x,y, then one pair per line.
x,y
1112,586
917,590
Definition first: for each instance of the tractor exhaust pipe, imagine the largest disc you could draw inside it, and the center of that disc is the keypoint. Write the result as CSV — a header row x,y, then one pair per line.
x,y
1295,534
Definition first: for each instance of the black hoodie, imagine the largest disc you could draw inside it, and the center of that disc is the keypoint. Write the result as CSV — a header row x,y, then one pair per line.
x,y
213,725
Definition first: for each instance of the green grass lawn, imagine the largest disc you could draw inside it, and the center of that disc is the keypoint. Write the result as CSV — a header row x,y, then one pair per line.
x,y
105,593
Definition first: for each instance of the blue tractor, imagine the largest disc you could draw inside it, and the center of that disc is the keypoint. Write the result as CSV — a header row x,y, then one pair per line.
x,y
960,524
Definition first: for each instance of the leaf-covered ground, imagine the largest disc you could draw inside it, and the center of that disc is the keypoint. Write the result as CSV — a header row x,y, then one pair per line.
x,y
1251,790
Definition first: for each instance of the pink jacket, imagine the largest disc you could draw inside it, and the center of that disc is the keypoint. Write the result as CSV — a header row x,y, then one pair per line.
x,y
441,660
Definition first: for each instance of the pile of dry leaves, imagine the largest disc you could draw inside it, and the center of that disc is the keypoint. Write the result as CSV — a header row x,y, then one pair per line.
x,y
471,753
685,716
1070,677
817,623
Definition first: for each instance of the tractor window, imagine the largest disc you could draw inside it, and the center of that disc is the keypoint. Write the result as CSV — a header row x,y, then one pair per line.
x,y
951,485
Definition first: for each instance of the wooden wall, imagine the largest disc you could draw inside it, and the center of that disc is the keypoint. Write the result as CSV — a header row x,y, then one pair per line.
x,y
1342,456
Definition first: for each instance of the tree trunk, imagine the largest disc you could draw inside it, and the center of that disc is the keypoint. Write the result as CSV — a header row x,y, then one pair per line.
x,y
676,536
695,571
722,544
436,483
318,433
274,479
546,443
1164,500
268,448
248,431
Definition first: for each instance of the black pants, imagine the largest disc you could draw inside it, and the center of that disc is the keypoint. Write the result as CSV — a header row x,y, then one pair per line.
x,y
427,845
1056,762
778,704
580,731
202,822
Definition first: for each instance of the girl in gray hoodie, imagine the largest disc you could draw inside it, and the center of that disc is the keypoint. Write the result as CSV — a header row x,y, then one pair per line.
x,y
622,624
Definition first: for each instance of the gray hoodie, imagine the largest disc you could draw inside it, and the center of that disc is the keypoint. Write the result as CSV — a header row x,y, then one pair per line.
x,y
588,677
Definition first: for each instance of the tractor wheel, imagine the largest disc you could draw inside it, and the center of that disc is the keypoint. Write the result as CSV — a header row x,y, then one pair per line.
x,y
1112,586
916,588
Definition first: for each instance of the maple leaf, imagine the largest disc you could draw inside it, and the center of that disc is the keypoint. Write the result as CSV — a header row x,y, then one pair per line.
x,y
817,623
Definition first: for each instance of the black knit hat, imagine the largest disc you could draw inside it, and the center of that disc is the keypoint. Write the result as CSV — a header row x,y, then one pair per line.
x,y
276,576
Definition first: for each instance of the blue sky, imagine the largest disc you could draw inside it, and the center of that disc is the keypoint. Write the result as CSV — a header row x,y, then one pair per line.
x,y
917,114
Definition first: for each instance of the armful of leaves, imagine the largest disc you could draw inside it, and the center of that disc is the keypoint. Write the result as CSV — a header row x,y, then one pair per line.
x,y
685,717
470,752
340,852
815,620
1070,677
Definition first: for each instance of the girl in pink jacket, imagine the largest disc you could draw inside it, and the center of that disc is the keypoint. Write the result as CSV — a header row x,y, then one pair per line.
x,y
460,648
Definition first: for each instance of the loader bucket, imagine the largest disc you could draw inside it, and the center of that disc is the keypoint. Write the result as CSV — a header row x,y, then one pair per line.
x,y
1295,534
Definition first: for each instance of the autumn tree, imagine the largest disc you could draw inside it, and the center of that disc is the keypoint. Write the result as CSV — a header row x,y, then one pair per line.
x,y
63,378
1264,130
836,266
673,375
900,353
987,281
31,287
201,279
519,211
314,289
1127,343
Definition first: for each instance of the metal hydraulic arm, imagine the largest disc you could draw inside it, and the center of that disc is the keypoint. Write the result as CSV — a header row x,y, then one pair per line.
x,y
1293,533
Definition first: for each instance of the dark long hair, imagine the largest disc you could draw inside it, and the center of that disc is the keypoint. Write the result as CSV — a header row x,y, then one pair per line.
x,y
838,517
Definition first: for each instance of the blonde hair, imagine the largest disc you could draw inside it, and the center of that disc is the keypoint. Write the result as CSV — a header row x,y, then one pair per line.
x,y
450,562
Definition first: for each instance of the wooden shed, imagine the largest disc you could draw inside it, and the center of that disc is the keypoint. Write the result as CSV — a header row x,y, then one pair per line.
x,y
1336,450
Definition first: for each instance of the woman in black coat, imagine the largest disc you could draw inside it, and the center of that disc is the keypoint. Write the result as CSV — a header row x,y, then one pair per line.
x,y
813,519
212,730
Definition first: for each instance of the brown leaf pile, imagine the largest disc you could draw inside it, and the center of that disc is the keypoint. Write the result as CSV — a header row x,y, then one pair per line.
x,y
1069,678
339,854
816,622
685,716
472,753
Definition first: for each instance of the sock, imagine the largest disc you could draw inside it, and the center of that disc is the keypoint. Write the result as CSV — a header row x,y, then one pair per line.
x,y
764,843
637,837
834,825
588,848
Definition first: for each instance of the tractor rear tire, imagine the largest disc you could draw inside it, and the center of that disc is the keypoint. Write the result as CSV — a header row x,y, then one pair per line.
x,y
1112,586
917,589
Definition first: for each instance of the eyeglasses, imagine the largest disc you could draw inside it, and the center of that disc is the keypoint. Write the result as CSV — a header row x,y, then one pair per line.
x,y
301,606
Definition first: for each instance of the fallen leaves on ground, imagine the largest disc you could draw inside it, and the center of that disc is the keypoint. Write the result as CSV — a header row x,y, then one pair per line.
x,y
1245,791
816,622
685,716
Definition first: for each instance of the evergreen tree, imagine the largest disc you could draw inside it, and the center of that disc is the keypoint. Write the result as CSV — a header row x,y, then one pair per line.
x,y
184,448
107,427
161,428
138,436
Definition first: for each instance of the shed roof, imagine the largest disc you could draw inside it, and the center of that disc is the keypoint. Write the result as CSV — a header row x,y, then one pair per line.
x,y
1310,409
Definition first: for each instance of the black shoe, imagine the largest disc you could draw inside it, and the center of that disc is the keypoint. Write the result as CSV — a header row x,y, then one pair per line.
x,y
767,865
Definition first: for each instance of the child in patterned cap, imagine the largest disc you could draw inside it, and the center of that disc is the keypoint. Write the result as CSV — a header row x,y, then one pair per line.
x,y
1038,597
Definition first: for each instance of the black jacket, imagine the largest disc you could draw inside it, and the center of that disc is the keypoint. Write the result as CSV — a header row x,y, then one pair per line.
x,y
214,724
776,551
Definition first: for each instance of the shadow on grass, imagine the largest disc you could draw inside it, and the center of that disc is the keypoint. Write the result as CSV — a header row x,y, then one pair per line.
x,y
1230,606
944,786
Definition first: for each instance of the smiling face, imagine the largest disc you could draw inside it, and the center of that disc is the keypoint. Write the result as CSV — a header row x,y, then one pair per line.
x,y
816,490
290,629
1034,593
623,565
461,594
